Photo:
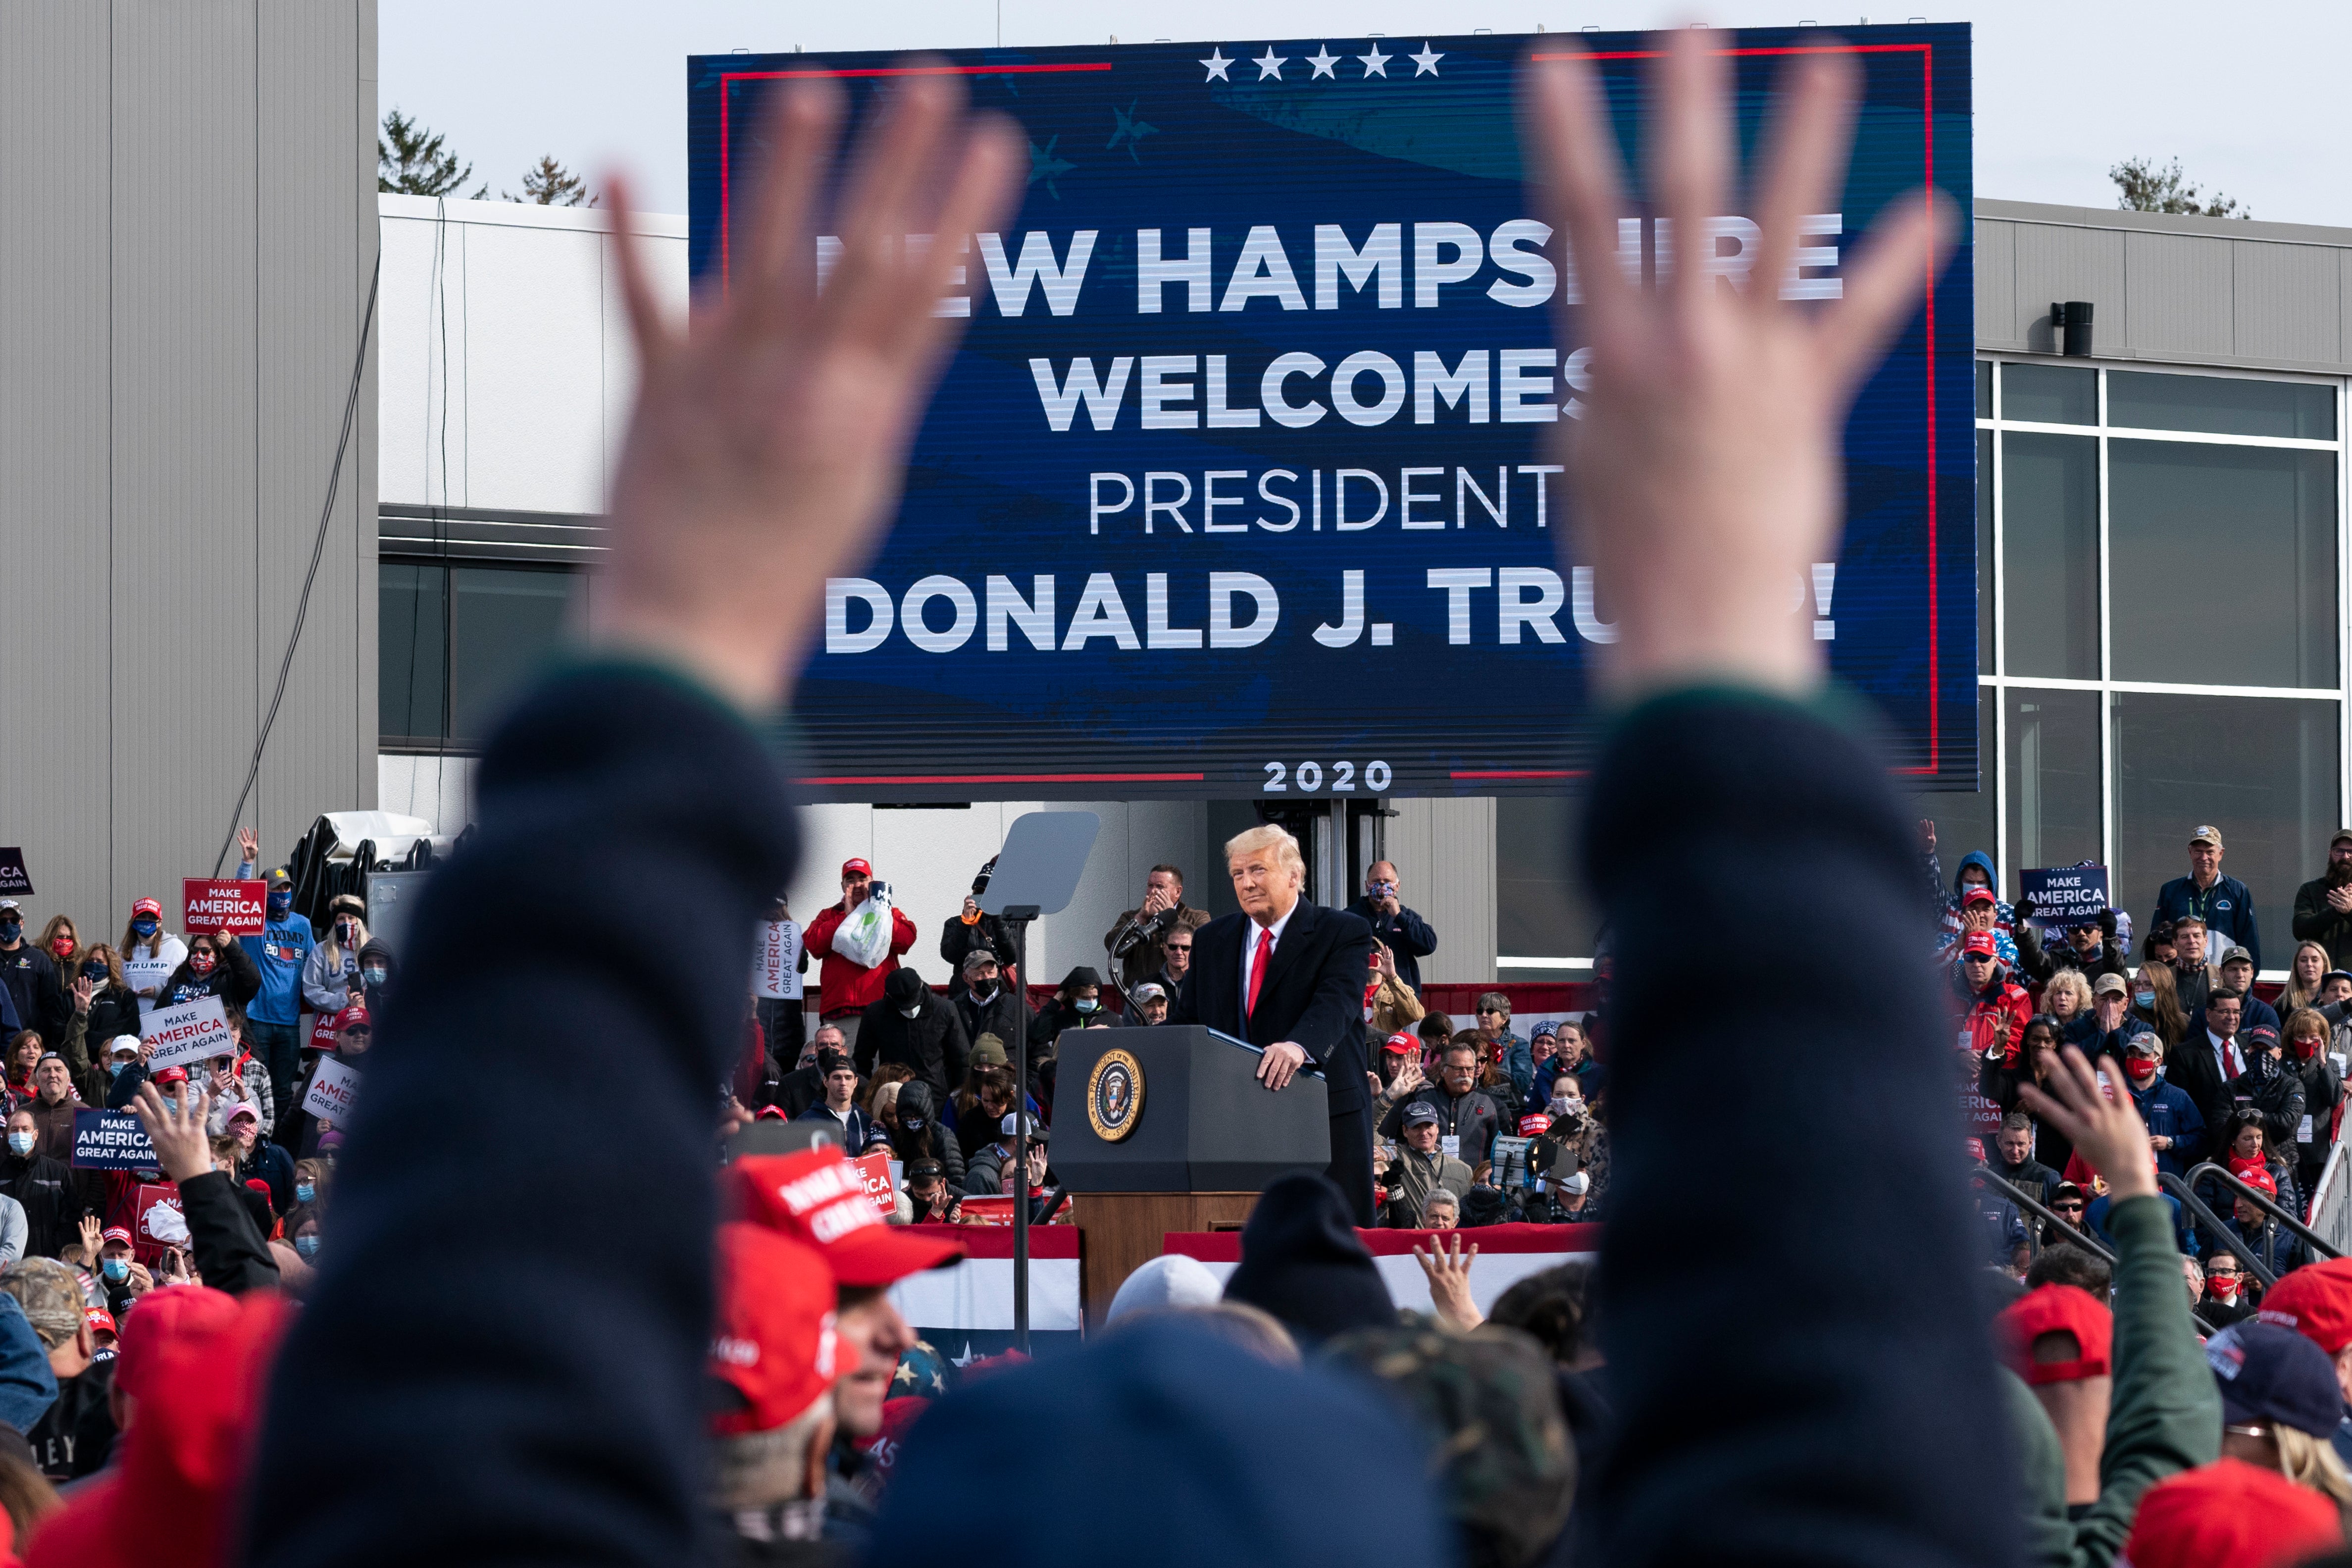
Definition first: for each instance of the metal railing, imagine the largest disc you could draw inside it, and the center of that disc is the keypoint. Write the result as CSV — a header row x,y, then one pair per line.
x,y
2196,1207
2331,1198
2269,1206
2068,1233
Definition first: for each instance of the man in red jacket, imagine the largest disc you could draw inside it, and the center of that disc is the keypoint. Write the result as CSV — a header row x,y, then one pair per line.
x,y
1995,1009
848,988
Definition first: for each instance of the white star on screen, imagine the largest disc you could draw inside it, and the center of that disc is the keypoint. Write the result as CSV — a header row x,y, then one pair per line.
x,y
967,1358
1425,61
1270,63
1376,64
1216,62
1323,60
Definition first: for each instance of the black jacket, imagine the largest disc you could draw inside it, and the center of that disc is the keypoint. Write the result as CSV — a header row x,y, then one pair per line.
x,y
1474,1117
235,978
1407,935
31,976
1006,1017
956,939
2276,1094
2314,922
51,1201
2190,1067
932,1042
2321,1088
1312,995
230,1252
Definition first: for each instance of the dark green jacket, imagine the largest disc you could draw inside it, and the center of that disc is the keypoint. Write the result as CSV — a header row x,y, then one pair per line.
x,y
2314,922
2165,1414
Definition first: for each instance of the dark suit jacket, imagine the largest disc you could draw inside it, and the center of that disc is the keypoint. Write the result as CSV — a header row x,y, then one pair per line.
x,y
1313,993
2191,1068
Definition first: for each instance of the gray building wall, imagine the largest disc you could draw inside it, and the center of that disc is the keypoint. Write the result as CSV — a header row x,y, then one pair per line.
x,y
191,226
2179,290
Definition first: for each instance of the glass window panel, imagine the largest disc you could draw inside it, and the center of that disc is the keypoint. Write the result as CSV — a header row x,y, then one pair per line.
x,y
1542,907
2050,394
2140,401
411,647
2262,770
2049,527
1963,819
2054,780
1984,553
504,625
1984,389
2225,564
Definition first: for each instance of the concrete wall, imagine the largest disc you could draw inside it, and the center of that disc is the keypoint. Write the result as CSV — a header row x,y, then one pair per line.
x,y
2181,290
190,192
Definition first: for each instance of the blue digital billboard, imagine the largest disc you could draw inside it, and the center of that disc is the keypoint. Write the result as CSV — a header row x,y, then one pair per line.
x,y
1242,480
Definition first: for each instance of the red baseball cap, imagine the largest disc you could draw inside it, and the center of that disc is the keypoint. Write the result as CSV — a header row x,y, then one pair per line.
x,y
100,1319
146,906
163,1316
817,1196
2255,1175
2315,1302
2231,1514
1978,893
772,1340
1402,1044
171,1075
2055,1308
856,866
1980,942
118,1233
355,1012
1974,1148
1533,1123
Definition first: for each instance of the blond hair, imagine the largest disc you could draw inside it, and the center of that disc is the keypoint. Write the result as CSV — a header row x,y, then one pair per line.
x,y
2310,1461
1266,836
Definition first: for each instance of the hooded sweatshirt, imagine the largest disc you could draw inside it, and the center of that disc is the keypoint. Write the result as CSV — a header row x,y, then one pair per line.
x,y
2004,918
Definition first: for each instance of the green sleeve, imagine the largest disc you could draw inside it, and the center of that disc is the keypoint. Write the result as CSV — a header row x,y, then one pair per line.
x,y
2166,1415
2049,1539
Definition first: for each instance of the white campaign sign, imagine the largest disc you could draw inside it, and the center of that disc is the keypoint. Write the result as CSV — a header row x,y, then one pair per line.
x,y
333,1090
189,1032
776,960
146,976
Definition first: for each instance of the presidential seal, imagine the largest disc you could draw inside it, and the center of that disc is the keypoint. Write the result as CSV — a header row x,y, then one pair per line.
x,y
1115,1095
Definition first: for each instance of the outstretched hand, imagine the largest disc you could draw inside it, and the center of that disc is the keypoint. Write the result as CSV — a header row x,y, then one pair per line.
x,y
2103,1127
769,438
1706,466
1449,1280
183,1148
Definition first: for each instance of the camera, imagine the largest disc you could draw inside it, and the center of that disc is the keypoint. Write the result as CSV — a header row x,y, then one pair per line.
x,y
878,888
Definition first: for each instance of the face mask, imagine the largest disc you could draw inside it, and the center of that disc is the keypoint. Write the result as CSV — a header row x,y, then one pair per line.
x,y
1086,1004
62,947
279,903
2224,1287
983,997
2140,1070
371,976
910,1012
2143,999
343,932
144,926
11,929
22,1142
115,1270
912,1123
119,1069
94,973
308,1246
304,1192
200,962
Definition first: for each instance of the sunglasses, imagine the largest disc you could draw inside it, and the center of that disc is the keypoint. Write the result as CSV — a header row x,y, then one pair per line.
x,y
2071,1205
359,1028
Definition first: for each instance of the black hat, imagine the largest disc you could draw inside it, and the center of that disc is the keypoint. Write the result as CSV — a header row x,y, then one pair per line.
x,y
830,1061
903,986
1484,1205
914,1105
1303,1261
2271,1374
1080,977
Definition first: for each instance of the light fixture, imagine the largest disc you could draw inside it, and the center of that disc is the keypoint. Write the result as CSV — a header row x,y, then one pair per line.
x,y
2070,324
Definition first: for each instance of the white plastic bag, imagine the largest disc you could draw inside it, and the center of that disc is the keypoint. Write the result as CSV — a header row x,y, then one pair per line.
x,y
864,935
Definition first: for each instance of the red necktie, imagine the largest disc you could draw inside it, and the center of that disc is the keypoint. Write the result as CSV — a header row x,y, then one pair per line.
x,y
1257,969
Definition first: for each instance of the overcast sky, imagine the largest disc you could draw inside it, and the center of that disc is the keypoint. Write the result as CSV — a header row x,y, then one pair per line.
x,y
2249,101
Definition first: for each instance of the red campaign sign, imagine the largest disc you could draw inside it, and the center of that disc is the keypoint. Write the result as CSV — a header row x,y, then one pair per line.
x,y
1981,1116
988,1210
875,1168
322,1031
224,905
157,1223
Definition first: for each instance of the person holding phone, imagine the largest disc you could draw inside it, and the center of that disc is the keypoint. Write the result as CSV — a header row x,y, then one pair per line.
x,y
1402,931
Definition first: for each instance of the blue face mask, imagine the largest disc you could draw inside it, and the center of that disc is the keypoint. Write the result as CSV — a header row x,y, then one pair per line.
x,y
94,973
144,926
308,1246
116,1269
22,1142
279,903
304,1192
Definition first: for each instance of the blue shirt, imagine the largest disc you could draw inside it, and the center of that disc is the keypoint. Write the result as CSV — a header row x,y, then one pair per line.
x,y
279,953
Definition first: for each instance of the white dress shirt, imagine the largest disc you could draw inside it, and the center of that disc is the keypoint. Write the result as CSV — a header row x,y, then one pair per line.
x,y
1249,958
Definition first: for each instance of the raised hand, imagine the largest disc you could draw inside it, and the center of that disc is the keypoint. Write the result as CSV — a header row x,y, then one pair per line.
x,y
248,846
1448,1274
1705,468
2104,1128
768,442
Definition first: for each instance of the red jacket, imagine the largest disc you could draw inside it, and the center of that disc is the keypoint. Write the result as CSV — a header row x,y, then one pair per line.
x,y
848,986
1995,1022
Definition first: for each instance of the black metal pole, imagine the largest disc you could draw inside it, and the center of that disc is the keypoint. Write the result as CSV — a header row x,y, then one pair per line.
x,y
1017,917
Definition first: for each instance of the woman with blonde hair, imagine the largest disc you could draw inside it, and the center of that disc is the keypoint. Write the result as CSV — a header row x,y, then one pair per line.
x,y
2156,1002
2067,999
2281,1407
2303,977
330,973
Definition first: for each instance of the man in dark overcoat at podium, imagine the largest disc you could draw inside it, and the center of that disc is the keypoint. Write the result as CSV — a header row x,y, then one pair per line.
x,y
1289,976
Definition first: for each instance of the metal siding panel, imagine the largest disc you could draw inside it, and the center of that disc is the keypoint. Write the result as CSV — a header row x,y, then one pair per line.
x,y
2056,262
308,334
534,438
361,480
2179,292
1998,325
185,649
1443,849
2285,301
54,96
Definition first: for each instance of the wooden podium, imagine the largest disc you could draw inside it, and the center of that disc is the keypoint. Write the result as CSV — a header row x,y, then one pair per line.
x,y
1169,1129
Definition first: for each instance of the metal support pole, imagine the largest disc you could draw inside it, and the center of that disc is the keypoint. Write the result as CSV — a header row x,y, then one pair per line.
x,y
1017,918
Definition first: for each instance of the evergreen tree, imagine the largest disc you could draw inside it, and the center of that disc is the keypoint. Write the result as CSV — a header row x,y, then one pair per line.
x,y
411,161
2142,187
550,184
